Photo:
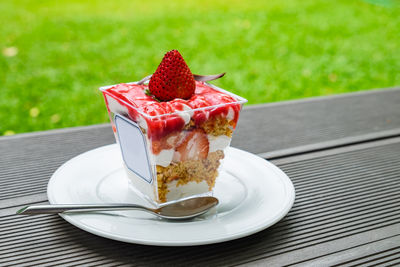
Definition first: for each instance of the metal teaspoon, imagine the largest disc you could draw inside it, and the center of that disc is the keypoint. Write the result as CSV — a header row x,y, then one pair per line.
x,y
178,210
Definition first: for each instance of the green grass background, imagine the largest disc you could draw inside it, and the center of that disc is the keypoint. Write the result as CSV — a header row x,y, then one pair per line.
x,y
271,50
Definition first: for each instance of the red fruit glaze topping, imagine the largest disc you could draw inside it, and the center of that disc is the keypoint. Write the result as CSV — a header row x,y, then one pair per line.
x,y
133,97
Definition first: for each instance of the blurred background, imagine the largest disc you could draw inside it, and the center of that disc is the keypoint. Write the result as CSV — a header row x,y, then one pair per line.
x,y
55,54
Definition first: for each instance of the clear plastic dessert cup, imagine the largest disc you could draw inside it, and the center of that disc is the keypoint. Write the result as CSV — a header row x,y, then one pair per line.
x,y
172,150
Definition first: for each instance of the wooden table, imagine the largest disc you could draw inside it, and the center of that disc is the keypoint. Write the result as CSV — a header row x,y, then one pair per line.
x,y
341,152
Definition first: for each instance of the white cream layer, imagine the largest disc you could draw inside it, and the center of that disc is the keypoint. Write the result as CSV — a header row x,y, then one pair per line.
x,y
116,107
218,142
166,156
231,114
186,114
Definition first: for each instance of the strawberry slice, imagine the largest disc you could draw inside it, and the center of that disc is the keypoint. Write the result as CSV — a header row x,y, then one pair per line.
x,y
167,142
172,79
194,147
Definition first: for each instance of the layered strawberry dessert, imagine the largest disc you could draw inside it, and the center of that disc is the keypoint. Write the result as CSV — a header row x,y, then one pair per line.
x,y
186,125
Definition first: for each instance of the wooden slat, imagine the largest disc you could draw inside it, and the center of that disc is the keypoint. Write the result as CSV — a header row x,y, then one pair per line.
x,y
28,161
384,251
284,128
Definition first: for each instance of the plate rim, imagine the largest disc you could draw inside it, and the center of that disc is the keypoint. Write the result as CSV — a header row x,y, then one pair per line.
x,y
288,185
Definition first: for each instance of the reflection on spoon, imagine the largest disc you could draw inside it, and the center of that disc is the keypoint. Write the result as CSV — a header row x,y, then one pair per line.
x,y
177,210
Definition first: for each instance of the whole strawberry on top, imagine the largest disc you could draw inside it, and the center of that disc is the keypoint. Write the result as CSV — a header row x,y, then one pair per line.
x,y
172,79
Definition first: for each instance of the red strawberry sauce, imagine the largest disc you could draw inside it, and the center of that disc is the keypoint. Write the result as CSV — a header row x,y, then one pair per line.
x,y
132,95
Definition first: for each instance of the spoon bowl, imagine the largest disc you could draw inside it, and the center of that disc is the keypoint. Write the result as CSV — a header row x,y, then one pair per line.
x,y
187,208
177,210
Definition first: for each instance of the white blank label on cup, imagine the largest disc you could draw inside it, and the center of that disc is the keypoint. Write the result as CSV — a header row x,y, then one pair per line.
x,y
133,147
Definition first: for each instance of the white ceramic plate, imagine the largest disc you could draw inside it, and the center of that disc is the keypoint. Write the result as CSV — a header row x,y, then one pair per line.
x,y
253,193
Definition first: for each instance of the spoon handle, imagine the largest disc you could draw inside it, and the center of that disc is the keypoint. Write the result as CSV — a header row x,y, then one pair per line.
x,y
50,209
199,78
207,78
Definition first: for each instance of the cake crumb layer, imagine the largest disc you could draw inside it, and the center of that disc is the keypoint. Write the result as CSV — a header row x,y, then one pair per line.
x,y
188,171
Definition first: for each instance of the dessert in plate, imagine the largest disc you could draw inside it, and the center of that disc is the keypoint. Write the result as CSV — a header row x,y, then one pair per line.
x,y
172,130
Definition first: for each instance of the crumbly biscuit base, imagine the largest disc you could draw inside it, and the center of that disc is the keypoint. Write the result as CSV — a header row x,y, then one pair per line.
x,y
218,126
188,171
